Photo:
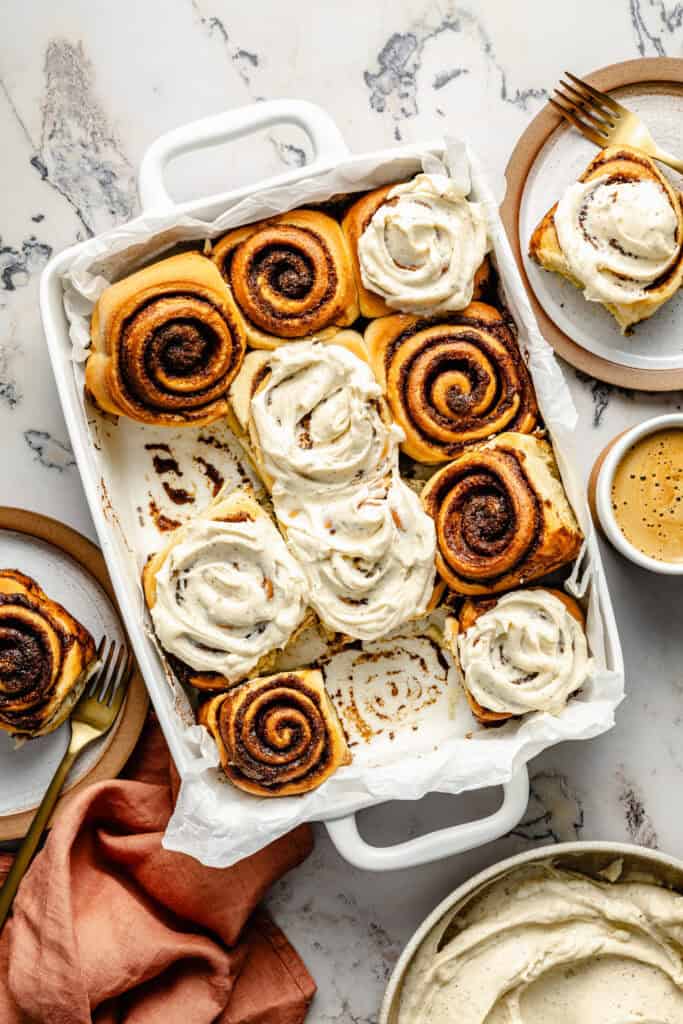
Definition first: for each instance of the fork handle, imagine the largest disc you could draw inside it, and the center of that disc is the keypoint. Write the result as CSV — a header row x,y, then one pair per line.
x,y
32,838
666,158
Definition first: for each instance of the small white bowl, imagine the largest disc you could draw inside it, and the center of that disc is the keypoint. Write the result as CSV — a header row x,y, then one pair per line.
x,y
603,493
587,857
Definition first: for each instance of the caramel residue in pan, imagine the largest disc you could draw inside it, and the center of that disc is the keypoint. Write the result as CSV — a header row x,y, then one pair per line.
x,y
162,522
213,475
178,495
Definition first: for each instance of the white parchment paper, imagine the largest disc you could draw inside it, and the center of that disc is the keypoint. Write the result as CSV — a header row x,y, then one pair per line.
x,y
219,824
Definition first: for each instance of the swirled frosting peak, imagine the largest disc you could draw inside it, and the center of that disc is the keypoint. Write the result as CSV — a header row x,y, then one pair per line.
x,y
424,245
618,237
527,653
228,593
319,422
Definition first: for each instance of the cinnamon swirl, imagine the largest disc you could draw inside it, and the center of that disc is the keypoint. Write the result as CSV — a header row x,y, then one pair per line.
x,y
617,234
166,342
525,651
291,277
279,735
451,381
44,654
225,594
421,247
501,515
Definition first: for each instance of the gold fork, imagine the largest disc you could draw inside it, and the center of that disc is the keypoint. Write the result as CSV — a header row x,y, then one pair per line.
x,y
604,121
92,717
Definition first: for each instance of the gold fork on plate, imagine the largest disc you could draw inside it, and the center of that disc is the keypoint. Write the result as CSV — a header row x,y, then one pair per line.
x,y
92,717
604,121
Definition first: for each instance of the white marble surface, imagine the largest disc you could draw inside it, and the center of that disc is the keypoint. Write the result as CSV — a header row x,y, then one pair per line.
x,y
84,88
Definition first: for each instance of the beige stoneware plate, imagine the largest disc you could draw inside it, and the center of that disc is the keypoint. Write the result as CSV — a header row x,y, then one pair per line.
x,y
551,155
72,571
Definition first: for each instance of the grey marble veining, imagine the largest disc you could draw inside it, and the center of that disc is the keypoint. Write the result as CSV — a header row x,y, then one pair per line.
x,y
84,88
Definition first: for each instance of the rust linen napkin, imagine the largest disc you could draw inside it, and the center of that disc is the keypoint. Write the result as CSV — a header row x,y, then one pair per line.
x,y
111,928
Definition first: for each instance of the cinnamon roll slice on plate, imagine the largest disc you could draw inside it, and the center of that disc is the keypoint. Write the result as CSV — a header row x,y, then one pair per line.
x,y
225,595
44,657
291,277
451,381
525,651
166,343
501,516
419,247
617,234
278,735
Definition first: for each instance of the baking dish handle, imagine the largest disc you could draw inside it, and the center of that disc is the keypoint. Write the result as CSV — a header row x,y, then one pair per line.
x,y
326,139
435,845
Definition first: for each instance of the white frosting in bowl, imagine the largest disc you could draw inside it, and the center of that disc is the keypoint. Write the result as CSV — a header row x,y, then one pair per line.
x,y
227,594
527,653
368,557
423,247
618,237
544,945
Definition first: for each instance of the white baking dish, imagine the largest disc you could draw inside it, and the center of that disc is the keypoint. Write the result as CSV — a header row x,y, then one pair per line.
x,y
118,530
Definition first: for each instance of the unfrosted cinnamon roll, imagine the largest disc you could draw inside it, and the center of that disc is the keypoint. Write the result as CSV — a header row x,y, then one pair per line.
x,y
225,594
316,419
501,515
166,342
451,381
44,657
421,247
525,651
278,735
291,277
617,234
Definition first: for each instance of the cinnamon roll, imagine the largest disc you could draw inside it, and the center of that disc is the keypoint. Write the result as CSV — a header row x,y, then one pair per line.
x,y
421,247
368,556
166,342
44,657
501,515
316,419
451,381
525,651
291,277
617,234
225,594
278,735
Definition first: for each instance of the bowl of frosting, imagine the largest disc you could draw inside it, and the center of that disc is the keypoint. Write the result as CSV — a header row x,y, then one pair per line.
x,y
582,933
638,494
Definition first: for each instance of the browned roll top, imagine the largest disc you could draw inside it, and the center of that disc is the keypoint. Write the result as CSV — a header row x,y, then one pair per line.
x,y
453,381
42,650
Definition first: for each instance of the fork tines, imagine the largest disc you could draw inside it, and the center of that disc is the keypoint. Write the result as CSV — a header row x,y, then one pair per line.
x,y
114,671
594,113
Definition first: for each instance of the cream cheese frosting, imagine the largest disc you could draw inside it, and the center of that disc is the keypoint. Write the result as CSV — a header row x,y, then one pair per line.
x,y
227,594
543,944
423,247
318,421
527,653
368,556
617,237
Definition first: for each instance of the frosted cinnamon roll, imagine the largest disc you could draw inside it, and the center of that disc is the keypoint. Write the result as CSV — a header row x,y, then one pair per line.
x,y
525,651
166,343
317,421
225,594
291,277
617,234
501,516
368,556
44,657
279,735
451,381
423,248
